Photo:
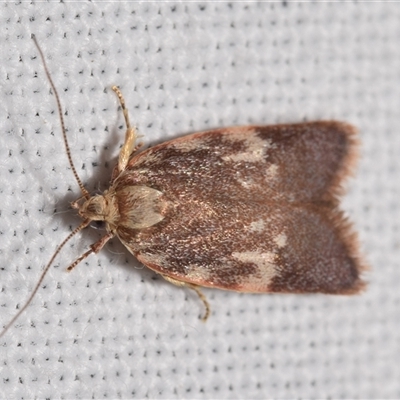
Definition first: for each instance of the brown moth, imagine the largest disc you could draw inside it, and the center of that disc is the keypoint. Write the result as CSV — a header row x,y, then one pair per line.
x,y
250,209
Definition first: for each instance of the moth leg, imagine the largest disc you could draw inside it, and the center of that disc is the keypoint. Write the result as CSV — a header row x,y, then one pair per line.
x,y
130,135
94,248
196,289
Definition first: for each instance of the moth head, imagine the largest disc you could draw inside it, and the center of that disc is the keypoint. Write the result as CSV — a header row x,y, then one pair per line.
x,y
97,208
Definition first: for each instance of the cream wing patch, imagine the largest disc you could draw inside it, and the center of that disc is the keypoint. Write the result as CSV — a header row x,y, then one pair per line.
x,y
257,226
281,240
186,146
271,172
265,261
254,150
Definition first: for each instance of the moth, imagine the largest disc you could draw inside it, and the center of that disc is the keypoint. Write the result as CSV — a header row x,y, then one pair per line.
x,y
249,209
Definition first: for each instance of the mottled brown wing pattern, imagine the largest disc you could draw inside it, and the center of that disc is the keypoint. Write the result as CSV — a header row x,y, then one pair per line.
x,y
297,162
250,209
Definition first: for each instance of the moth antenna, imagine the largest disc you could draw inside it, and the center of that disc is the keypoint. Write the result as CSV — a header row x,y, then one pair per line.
x,y
83,224
83,190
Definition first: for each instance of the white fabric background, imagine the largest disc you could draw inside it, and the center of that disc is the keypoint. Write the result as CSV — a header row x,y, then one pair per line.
x,y
113,329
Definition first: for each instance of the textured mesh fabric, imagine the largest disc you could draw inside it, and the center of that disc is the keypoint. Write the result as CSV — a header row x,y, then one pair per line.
x,y
112,328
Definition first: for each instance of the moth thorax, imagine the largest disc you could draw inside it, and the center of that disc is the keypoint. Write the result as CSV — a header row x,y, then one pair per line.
x,y
140,207
99,208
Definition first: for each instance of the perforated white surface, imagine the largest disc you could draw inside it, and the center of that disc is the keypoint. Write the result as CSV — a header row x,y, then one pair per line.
x,y
113,329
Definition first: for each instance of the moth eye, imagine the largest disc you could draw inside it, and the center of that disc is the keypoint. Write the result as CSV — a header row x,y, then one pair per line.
x,y
101,225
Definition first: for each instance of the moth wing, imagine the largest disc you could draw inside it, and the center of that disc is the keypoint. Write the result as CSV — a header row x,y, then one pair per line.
x,y
256,248
249,208
295,162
